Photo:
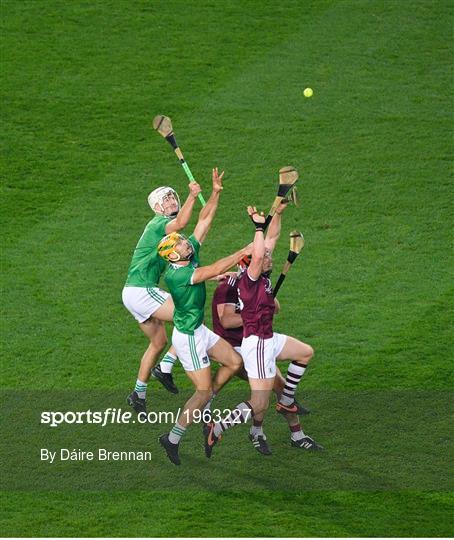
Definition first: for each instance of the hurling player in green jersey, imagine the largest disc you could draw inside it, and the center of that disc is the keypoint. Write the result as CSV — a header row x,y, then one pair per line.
x,y
194,343
146,302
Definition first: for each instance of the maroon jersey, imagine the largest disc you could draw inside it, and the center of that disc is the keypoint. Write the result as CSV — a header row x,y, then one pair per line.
x,y
257,305
226,293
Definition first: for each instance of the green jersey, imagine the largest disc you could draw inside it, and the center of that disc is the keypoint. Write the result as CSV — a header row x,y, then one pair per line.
x,y
147,266
189,299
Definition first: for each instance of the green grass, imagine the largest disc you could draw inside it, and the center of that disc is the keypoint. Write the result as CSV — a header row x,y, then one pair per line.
x,y
372,291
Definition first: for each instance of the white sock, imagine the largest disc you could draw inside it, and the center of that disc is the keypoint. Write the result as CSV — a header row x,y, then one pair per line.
x,y
296,432
167,362
255,431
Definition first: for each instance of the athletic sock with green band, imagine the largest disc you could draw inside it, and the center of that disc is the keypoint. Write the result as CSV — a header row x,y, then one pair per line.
x,y
167,362
141,389
176,433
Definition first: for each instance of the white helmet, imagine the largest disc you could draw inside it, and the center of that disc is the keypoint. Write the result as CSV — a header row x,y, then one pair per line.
x,y
157,197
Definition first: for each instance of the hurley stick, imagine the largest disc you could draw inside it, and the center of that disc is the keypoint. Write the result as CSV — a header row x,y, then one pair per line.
x,y
163,125
296,245
287,179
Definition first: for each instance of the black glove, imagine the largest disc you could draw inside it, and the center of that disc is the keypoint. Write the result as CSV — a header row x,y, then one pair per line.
x,y
259,225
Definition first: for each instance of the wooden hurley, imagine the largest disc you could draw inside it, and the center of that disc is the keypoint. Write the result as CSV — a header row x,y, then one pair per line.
x,y
287,179
296,246
163,125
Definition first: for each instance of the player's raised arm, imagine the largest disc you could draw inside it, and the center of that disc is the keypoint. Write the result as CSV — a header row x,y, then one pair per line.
x,y
208,212
274,229
203,273
184,215
258,248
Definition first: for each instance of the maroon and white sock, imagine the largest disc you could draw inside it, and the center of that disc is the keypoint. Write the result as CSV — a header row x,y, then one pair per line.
x,y
296,432
241,414
294,374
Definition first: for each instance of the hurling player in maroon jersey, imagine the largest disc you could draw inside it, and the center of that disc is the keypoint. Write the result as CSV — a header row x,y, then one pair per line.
x,y
228,324
261,347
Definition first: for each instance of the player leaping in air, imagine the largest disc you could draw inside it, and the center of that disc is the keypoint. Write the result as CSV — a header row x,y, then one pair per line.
x,y
261,347
194,343
146,302
227,323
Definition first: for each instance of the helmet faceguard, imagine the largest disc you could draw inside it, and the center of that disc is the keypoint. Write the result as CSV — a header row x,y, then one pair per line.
x,y
158,199
167,248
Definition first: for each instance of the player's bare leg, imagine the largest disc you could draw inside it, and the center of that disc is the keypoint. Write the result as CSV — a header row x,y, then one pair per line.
x,y
260,398
231,364
278,387
155,331
296,350
230,361
242,413
163,371
201,379
260,394
300,355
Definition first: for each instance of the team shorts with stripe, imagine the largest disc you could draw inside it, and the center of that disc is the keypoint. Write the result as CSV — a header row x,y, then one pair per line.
x,y
192,351
259,355
142,302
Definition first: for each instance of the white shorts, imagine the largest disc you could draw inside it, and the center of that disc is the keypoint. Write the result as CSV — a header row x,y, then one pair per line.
x,y
192,350
259,355
142,302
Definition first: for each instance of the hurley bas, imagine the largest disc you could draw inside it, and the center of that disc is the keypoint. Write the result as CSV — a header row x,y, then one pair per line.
x,y
101,454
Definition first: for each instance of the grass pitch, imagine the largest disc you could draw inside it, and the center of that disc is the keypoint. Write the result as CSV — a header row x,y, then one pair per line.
x,y
81,82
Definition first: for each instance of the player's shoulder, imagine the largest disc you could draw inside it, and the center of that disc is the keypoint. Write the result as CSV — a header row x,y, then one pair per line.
x,y
245,279
158,220
225,286
156,226
176,272
230,282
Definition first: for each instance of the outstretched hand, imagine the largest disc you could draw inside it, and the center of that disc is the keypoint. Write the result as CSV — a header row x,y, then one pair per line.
x,y
257,219
217,180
